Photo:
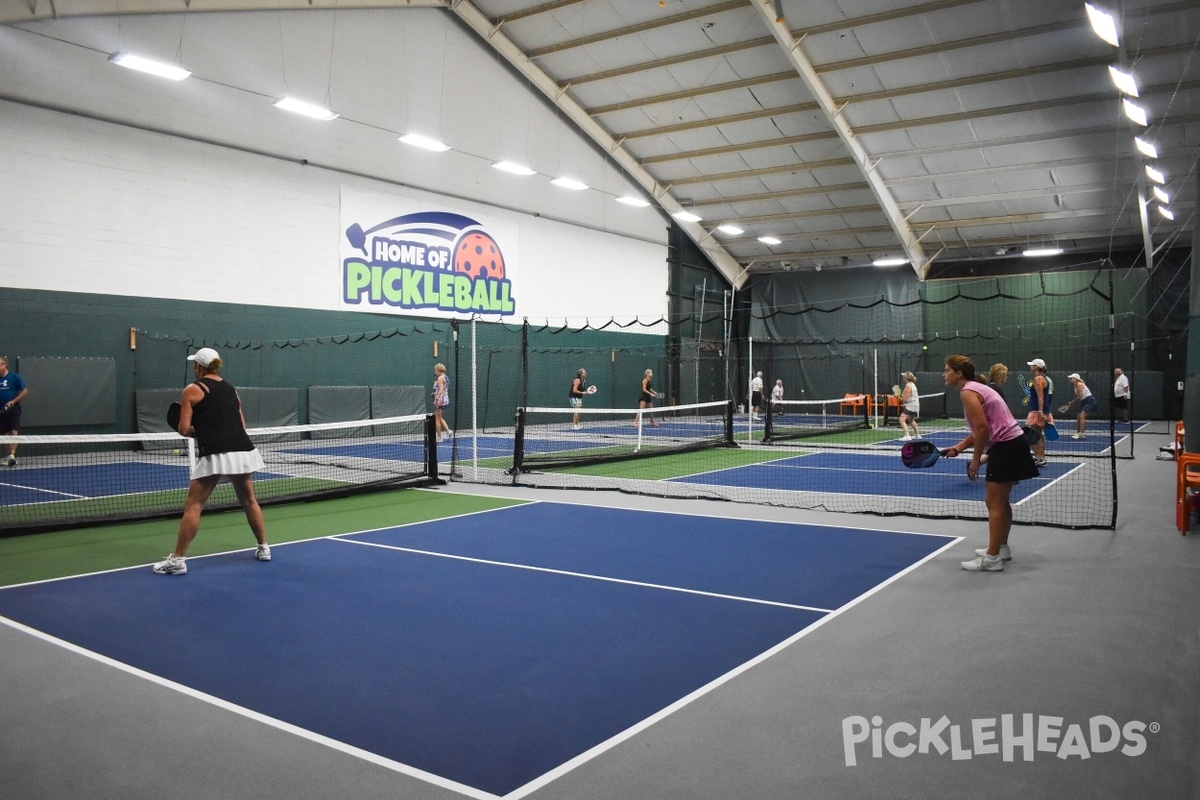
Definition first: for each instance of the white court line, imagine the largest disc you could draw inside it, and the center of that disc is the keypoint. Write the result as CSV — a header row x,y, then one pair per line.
x,y
303,733
549,776
1048,483
832,525
516,504
54,492
662,714
584,575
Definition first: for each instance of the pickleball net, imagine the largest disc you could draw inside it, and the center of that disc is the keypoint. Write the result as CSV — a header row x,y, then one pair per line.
x,y
547,438
932,410
65,481
804,419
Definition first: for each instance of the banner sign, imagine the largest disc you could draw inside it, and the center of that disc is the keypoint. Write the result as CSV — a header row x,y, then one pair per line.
x,y
403,257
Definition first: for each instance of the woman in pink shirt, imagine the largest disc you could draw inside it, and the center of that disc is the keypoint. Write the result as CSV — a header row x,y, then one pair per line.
x,y
995,432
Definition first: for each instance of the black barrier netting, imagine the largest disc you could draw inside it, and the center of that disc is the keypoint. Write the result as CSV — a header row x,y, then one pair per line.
x,y
821,348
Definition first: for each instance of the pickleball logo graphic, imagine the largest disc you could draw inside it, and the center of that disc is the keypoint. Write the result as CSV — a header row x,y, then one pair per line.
x,y
478,255
427,260
1027,388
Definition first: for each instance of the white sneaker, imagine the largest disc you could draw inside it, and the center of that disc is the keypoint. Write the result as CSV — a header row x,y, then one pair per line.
x,y
171,566
263,552
1078,435
984,564
906,438
11,461
1005,553
574,427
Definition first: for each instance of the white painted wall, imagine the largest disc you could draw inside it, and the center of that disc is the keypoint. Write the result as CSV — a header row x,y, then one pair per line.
x,y
92,206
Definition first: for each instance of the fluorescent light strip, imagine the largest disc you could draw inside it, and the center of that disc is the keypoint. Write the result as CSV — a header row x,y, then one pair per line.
x,y
686,216
1135,112
1036,252
149,66
1123,81
305,109
636,202
1145,148
889,262
515,169
771,240
570,183
732,230
424,142
1103,24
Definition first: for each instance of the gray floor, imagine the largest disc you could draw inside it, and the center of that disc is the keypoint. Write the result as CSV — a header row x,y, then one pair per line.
x,y
1083,624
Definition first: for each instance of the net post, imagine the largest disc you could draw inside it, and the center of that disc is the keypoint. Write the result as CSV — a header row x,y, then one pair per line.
x,y
767,425
518,444
431,452
729,409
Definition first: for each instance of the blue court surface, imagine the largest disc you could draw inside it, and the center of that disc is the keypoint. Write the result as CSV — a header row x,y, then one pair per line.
x,y
48,484
30,485
871,473
485,653
1094,443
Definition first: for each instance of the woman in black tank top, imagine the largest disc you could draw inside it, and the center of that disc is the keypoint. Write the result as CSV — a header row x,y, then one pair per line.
x,y
212,414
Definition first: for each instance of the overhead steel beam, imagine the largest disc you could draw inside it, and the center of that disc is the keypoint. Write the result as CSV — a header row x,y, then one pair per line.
x,y
25,10
492,34
820,92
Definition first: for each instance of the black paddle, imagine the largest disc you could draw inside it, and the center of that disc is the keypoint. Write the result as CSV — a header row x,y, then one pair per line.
x,y
919,454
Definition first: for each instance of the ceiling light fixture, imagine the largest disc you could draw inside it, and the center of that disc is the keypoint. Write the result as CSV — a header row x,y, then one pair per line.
x,y
515,169
630,200
889,262
149,66
1166,212
1123,81
1135,112
424,142
732,230
1160,195
1155,175
1038,252
1103,24
569,183
686,216
771,240
305,109
1145,148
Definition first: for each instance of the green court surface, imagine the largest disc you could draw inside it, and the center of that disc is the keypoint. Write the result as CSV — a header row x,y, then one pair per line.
x,y
58,554
160,502
676,465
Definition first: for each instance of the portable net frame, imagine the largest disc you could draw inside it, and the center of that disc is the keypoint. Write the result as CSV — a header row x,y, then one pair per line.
x,y
818,347
65,481
807,419
840,453
548,438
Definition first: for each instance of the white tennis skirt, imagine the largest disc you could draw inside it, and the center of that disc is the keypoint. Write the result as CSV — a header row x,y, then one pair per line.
x,y
236,463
